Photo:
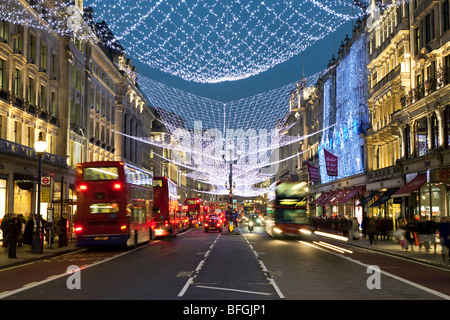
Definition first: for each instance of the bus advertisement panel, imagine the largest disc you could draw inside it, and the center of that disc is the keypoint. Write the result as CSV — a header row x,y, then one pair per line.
x,y
114,201
287,212
165,207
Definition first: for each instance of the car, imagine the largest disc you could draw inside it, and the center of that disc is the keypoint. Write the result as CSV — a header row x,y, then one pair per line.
x,y
213,224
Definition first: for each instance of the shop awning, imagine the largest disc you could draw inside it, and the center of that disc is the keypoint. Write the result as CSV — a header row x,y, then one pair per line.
x,y
367,199
411,186
327,195
338,196
320,198
385,197
350,194
330,197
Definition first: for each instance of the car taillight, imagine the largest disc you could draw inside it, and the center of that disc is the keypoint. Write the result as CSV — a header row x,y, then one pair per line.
x,y
123,227
218,224
78,229
167,223
82,187
206,224
117,186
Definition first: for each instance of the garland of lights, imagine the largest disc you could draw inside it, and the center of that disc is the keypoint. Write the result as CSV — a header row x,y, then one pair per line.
x,y
202,41
250,143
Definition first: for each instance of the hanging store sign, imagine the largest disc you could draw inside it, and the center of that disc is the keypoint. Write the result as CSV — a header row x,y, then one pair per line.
x,y
331,162
313,172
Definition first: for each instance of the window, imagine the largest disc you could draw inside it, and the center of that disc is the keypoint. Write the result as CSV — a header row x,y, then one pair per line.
x,y
43,61
43,99
428,34
3,76
435,131
18,83
416,41
53,103
447,126
100,173
407,141
445,16
422,137
32,49
31,91
54,65
30,137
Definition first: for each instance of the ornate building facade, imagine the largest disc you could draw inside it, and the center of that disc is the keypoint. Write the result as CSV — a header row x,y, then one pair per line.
x,y
81,97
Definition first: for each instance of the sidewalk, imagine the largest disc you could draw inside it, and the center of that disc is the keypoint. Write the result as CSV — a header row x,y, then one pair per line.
x,y
392,247
25,256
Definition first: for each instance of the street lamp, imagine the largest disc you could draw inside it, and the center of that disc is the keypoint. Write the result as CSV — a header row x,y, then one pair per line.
x,y
231,184
38,241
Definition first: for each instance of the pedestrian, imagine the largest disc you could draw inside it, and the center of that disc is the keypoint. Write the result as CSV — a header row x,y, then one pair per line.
x,y
4,227
355,229
444,235
13,237
345,226
364,223
21,224
424,232
29,230
372,231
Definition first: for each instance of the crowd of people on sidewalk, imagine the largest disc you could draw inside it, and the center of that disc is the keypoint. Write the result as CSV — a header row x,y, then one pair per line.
x,y
18,231
410,233
424,233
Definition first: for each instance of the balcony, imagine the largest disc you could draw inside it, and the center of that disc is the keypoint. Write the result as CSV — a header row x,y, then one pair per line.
x,y
388,78
428,87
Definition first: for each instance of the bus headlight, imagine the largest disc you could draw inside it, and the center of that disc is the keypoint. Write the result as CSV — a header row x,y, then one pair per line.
x,y
305,231
276,230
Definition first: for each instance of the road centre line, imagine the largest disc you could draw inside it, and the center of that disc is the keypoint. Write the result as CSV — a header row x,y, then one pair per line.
x,y
264,269
197,270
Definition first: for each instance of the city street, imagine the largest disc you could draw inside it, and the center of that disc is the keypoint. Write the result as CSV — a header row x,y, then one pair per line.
x,y
218,266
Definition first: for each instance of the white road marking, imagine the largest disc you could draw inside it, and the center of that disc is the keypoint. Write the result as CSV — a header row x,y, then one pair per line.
x,y
197,270
236,290
416,285
264,269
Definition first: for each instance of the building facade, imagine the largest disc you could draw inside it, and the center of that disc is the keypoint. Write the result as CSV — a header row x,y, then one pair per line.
x,y
79,95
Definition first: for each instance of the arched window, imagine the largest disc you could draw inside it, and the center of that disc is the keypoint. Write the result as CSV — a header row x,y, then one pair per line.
x,y
421,137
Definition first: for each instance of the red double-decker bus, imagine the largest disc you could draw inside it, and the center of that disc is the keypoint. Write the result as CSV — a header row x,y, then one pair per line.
x,y
195,210
165,207
114,202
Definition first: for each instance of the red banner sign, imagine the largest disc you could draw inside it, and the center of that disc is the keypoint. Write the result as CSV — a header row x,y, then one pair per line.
x,y
313,172
331,162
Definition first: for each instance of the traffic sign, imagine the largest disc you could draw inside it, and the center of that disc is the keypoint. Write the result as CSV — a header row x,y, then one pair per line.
x,y
45,181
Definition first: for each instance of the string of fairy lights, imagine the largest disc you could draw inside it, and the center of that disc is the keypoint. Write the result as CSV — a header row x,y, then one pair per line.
x,y
207,135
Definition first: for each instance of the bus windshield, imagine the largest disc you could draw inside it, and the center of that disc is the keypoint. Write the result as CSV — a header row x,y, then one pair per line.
x,y
100,173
